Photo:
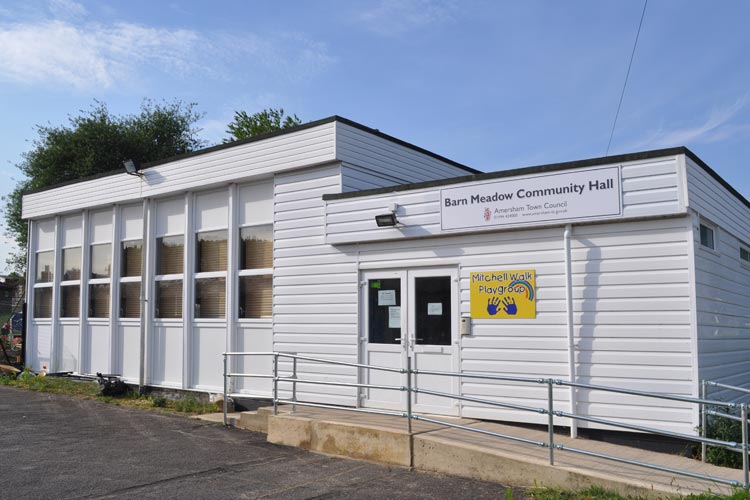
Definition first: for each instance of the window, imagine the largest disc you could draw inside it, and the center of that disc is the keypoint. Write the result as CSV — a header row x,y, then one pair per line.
x,y
70,301
131,259
45,266
256,247
130,300
255,270
169,299
210,298
132,255
43,302
170,255
745,254
707,236
99,301
210,277
255,296
71,258
211,251
101,261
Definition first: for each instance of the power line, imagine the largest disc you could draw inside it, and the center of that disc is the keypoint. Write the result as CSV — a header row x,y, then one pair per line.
x,y
627,75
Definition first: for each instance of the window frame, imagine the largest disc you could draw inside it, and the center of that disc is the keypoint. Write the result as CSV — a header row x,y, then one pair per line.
x,y
714,235
746,248
41,285
70,283
129,279
166,277
262,271
200,275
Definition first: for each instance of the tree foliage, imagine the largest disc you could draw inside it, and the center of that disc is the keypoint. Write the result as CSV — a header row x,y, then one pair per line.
x,y
96,141
269,120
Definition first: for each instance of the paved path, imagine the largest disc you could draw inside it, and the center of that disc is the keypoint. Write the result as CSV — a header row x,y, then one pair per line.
x,y
58,447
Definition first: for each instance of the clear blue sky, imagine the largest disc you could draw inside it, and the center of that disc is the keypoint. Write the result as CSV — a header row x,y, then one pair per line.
x,y
493,85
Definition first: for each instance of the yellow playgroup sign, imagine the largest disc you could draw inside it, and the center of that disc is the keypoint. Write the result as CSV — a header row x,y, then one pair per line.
x,y
503,294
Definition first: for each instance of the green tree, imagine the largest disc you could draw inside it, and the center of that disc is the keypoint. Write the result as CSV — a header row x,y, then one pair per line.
x,y
269,120
96,141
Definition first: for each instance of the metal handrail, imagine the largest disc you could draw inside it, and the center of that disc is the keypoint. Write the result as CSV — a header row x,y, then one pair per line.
x,y
725,386
550,411
706,411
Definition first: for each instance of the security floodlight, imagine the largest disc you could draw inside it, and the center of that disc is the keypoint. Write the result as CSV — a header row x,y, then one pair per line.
x,y
389,219
131,167
386,220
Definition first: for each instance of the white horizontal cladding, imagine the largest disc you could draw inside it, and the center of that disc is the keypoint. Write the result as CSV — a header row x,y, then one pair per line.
x,y
723,312
231,164
315,288
648,188
631,311
371,161
715,202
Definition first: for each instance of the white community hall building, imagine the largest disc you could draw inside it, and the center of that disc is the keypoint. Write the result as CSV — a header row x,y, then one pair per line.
x,y
336,241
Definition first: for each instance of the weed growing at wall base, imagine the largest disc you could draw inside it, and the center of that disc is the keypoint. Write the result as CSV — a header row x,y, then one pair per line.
x,y
91,390
597,493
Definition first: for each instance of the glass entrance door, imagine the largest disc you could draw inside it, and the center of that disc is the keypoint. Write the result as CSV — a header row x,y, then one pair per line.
x,y
410,313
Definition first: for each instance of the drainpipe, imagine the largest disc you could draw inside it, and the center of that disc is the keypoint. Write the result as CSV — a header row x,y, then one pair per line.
x,y
145,252
570,328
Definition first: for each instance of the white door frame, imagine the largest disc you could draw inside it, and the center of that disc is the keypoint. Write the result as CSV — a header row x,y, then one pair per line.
x,y
395,355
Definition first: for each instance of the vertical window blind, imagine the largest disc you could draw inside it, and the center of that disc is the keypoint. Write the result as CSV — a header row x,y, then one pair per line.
x,y
256,294
132,253
99,301
70,301
43,302
169,299
130,300
256,247
170,255
211,251
210,298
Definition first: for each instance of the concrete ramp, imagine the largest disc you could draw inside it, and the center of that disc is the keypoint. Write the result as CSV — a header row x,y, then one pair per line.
x,y
432,447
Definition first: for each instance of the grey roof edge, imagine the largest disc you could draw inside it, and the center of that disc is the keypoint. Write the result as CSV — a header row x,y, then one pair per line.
x,y
219,147
551,167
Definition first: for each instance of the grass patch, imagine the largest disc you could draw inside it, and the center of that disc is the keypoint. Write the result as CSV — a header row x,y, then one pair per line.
x,y
598,493
91,390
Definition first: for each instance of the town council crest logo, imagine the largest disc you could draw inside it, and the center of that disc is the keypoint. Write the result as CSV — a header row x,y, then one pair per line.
x,y
487,214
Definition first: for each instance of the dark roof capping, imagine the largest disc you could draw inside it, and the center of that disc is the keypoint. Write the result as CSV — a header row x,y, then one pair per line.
x,y
552,167
261,137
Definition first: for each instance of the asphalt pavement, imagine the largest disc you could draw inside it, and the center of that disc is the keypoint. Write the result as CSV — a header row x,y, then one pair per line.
x,y
58,447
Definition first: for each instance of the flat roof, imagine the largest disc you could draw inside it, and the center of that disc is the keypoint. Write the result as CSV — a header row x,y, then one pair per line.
x,y
550,167
219,147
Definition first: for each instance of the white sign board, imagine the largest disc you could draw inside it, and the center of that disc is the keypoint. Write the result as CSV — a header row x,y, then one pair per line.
x,y
563,196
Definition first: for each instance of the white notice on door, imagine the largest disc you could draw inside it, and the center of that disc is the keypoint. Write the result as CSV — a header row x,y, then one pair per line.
x,y
434,308
386,297
394,317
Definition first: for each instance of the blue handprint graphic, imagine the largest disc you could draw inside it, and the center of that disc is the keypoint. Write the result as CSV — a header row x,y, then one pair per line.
x,y
510,306
492,304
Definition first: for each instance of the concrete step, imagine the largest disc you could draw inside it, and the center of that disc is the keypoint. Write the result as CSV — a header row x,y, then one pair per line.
x,y
341,438
434,447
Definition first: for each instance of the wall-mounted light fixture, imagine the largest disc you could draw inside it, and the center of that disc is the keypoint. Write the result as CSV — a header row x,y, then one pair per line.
x,y
131,168
389,219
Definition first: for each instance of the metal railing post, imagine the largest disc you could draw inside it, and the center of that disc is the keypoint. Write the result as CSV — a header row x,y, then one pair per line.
x,y
745,478
551,422
408,393
275,384
294,385
226,376
704,419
